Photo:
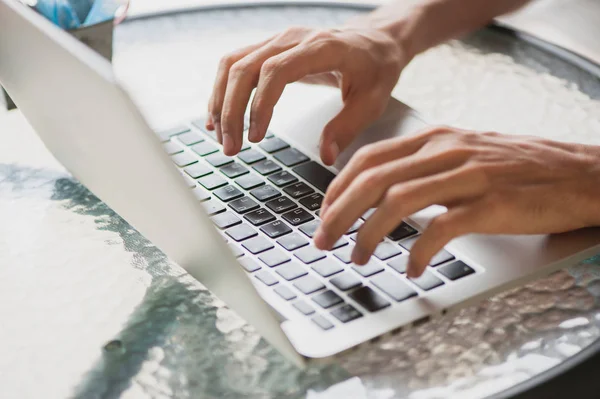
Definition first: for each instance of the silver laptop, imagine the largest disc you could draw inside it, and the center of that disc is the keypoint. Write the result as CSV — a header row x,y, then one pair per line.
x,y
242,225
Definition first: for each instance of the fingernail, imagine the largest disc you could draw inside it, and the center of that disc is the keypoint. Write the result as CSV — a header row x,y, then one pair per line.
x,y
218,131
360,256
253,132
323,210
335,150
319,239
227,144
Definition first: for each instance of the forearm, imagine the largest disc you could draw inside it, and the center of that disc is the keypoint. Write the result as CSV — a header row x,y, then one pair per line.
x,y
421,24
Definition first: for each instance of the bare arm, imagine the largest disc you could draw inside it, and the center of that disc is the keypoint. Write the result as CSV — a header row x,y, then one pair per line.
x,y
422,24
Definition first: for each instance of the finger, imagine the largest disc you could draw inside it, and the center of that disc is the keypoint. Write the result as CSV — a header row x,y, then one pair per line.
x,y
359,111
209,123
372,155
456,222
282,69
367,190
243,78
402,200
215,103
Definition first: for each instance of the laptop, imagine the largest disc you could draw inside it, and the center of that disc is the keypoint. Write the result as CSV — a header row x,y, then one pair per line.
x,y
242,225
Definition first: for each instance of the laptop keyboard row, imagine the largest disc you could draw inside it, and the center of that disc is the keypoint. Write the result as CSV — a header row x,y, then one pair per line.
x,y
266,201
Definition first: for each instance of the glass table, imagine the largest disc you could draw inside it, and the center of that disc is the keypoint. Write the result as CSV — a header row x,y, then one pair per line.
x,y
91,309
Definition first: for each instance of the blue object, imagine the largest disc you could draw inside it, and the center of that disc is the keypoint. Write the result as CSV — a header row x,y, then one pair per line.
x,y
73,14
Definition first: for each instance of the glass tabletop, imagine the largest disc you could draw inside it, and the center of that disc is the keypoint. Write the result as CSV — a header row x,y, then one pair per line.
x,y
92,309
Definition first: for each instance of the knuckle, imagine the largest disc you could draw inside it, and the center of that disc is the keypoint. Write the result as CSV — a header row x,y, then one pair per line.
x,y
367,180
395,196
240,70
270,67
441,226
227,61
293,32
364,155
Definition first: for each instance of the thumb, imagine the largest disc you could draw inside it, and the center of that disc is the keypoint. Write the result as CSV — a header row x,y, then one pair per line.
x,y
356,115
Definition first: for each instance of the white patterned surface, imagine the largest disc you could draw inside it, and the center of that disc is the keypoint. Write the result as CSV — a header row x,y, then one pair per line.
x,y
74,276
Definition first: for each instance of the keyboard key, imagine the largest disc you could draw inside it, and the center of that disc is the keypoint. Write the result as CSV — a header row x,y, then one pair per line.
x,y
265,193
165,135
251,156
344,254
395,288
399,264
290,157
310,228
225,220
308,284
297,216
234,170
201,194
276,229
339,243
327,299
249,264
190,138
427,281
218,159
346,281
212,181
281,204
346,313
369,299
172,148
204,148
368,213
248,182
266,167
386,250
312,202
241,232
298,190
244,204
269,135
198,170
259,216
189,181
441,257
213,207
369,269
184,159
282,178
285,292
315,174
322,322
292,241
273,145
402,231
455,270
200,123
309,254
235,250
327,267
266,277
354,228
304,308
274,257
228,193
408,243
291,271
257,244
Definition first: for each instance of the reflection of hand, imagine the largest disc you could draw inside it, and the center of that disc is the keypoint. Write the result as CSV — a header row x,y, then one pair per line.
x,y
490,183
363,62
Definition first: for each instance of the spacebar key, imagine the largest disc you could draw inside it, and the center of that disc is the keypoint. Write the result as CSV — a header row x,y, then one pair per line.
x,y
315,174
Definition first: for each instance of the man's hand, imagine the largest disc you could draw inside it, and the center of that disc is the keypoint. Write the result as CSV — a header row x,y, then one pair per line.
x,y
364,62
490,183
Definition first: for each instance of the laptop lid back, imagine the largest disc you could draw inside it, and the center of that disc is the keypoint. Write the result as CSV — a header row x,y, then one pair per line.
x,y
69,95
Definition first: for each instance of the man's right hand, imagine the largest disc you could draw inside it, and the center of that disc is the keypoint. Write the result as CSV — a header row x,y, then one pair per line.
x,y
363,61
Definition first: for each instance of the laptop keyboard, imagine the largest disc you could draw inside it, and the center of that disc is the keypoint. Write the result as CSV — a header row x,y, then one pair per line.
x,y
265,201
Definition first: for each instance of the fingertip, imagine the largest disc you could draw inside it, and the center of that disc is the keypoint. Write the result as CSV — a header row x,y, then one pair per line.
x,y
414,270
228,145
360,256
